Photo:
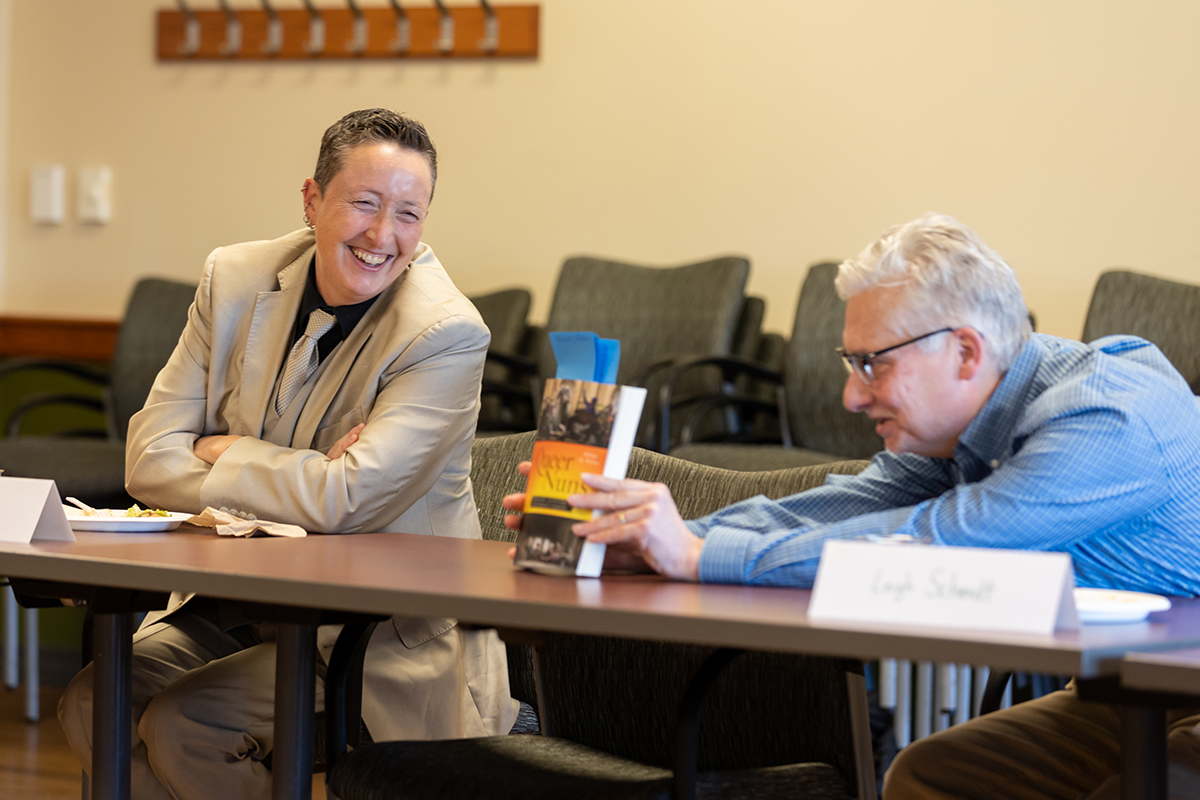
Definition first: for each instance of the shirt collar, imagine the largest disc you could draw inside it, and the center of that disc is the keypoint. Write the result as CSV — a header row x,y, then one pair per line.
x,y
989,435
347,316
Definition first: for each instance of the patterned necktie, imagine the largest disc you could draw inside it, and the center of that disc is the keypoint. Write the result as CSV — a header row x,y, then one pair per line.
x,y
302,361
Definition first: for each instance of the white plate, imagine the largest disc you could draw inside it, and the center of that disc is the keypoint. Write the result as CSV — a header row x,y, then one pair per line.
x,y
1111,605
118,523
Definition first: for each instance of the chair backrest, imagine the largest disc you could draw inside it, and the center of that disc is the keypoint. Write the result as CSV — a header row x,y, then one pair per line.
x,y
655,312
505,313
748,334
621,695
154,318
814,376
1158,310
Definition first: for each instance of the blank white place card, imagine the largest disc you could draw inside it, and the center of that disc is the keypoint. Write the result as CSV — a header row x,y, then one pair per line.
x,y
31,511
1015,591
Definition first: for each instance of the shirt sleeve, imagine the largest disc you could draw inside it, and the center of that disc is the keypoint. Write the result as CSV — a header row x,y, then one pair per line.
x,y
1062,485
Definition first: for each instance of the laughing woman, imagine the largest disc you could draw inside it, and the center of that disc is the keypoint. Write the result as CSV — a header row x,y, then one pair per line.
x,y
329,379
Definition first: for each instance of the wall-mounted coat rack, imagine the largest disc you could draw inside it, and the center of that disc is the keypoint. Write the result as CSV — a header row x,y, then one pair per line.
x,y
347,32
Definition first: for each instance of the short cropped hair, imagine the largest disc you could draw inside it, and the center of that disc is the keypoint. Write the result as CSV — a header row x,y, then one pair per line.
x,y
369,126
950,278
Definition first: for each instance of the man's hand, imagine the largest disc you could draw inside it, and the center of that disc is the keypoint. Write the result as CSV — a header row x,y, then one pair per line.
x,y
516,502
643,526
210,448
343,444
642,520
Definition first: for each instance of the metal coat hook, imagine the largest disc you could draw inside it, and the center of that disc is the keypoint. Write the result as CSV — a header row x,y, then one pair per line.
x,y
445,40
274,42
358,43
316,30
191,30
401,43
233,31
490,42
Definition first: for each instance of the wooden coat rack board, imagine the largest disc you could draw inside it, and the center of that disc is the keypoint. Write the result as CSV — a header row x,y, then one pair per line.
x,y
348,32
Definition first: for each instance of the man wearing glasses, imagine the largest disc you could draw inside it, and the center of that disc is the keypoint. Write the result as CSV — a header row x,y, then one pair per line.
x,y
996,437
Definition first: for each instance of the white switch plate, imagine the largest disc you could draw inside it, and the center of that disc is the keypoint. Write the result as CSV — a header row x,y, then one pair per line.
x,y
47,196
95,195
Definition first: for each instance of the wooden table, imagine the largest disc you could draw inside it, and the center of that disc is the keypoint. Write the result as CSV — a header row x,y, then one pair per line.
x,y
473,581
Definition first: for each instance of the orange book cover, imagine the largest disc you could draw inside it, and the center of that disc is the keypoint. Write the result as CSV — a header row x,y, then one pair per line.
x,y
583,426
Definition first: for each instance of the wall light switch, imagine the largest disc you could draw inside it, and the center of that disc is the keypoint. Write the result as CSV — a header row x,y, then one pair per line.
x,y
95,195
47,196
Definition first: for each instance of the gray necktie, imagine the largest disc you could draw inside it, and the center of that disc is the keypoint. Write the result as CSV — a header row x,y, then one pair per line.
x,y
302,361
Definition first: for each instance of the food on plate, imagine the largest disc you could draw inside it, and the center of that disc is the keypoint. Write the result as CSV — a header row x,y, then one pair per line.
x,y
137,511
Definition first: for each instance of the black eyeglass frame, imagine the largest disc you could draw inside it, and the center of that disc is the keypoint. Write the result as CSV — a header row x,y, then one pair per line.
x,y
860,363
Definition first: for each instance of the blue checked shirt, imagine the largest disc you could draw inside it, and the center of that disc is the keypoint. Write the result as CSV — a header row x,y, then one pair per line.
x,y
1092,450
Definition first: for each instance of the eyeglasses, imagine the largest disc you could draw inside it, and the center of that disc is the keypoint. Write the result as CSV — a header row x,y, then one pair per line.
x,y
860,363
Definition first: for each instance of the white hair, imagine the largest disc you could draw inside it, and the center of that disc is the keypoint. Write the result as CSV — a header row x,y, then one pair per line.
x,y
950,279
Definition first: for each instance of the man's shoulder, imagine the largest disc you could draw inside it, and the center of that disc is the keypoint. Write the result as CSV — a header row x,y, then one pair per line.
x,y
1125,374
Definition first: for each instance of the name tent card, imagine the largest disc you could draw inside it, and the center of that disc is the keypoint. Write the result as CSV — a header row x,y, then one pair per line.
x,y
32,512
1015,591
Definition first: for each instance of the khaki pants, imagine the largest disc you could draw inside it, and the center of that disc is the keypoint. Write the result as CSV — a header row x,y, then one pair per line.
x,y
1054,747
203,711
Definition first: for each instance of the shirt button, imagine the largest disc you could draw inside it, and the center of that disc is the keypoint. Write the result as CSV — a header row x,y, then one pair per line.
x,y
995,462
223,510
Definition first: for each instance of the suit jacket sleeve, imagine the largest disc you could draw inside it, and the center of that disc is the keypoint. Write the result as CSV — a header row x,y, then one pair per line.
x,y
160,468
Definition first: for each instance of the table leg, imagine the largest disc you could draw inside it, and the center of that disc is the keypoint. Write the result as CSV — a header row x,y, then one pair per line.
x,y
1143,753
112,689
295,692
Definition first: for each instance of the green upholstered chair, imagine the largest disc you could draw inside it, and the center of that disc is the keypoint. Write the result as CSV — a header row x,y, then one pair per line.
x,y
813,426
92,467
656,313
507,399
773,726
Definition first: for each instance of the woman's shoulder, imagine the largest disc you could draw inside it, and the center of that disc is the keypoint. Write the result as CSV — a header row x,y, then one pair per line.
x,y
268,255
427,283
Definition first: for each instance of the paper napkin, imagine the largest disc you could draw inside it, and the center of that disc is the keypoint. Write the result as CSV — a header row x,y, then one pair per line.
x,y
229,525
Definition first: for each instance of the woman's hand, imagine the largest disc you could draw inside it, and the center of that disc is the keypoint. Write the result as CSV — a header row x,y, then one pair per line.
x,y
210,448
343,444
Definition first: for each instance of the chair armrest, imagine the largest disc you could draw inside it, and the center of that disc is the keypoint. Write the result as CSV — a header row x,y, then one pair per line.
x,y
72,368
701,407
343,689
731,368
518,364
12,426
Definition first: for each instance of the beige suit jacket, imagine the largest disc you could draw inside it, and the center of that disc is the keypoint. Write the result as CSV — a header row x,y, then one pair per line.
x,y
410,370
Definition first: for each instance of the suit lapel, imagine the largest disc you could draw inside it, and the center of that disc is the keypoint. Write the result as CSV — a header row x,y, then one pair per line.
x,y
269,340
337,367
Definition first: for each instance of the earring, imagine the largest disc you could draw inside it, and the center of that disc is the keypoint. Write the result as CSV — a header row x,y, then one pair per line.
x,y
309,222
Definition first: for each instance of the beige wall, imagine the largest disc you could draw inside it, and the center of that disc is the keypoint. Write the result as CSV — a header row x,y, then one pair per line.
x,y
655,131
5,49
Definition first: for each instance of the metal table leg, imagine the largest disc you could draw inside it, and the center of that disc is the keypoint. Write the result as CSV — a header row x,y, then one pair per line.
x,y
112,690
295,692
1143,753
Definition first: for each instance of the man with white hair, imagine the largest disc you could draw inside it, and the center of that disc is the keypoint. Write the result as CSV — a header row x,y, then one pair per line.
x,y
996,437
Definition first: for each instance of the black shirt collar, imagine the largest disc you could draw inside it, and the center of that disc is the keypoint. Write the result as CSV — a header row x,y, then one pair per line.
x,y
347,316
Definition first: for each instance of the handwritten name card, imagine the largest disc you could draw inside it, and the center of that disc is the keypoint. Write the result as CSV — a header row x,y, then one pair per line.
x,y
1015,591
32,511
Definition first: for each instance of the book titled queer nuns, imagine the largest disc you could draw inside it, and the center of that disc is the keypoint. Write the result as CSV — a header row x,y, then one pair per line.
x,y
587,423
